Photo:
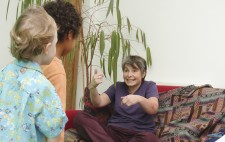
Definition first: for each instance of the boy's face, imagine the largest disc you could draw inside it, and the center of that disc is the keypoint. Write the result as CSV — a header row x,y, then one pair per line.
x,y
68,44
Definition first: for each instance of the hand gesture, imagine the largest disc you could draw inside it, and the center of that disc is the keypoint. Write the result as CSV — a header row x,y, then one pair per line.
x,y
96,79
130,99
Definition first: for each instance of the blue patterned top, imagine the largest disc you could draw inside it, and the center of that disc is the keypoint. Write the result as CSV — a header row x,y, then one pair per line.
x,y
30,109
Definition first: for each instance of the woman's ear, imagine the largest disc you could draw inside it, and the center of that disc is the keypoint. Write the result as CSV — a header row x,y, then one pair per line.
x,y
144,74
46,48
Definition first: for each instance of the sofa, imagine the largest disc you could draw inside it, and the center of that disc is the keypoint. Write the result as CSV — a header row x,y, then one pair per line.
x,y
188,113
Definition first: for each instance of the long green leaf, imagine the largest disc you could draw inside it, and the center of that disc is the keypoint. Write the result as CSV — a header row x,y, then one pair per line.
x,y
144,41
137,35
102,42
123,44
117,4
128,47
142,38
110,62
149,58
124,47
103,66
17,10
113,41
115,70
118,19
117,45
110,7
7,10
128,25
101,63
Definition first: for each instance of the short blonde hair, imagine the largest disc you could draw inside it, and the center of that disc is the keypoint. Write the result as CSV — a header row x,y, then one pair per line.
x,y
31,32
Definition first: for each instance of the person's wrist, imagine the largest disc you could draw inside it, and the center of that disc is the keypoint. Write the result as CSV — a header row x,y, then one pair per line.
x,y
140,99
92,86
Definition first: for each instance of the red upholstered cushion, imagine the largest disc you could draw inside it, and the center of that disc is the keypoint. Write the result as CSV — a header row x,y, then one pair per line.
x,y
163,88
70,114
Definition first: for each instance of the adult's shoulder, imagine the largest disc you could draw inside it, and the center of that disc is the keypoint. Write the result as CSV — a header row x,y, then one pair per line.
x,y
149,83
117,85
120,84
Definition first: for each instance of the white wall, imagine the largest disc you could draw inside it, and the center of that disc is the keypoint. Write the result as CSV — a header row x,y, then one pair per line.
x,y
6,26
186,38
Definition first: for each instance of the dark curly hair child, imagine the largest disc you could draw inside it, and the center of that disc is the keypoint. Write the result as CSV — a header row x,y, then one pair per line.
x,y
66,17
69,22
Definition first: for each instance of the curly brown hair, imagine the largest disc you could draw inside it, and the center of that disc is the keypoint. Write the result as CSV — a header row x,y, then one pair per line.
x,y
66,17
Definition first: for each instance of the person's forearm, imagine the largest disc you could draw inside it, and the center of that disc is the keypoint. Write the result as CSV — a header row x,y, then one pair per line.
x,y
149,105
95,97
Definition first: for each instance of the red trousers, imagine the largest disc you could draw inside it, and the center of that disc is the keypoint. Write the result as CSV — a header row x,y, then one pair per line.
x,y
92,130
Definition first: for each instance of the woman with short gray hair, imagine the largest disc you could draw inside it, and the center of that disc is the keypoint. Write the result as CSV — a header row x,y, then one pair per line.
x,y
134,101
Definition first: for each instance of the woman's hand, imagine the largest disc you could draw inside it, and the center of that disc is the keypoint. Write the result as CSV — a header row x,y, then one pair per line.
x,y
96,79
150,105
131,99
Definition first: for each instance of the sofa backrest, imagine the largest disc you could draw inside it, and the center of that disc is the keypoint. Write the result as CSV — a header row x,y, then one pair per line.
x,y
164,88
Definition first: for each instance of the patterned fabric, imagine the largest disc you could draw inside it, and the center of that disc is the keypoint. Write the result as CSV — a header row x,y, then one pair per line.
x,y
30,109
71,135
190,113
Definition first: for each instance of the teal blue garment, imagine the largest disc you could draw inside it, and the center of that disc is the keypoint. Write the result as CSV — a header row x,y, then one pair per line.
x,y
30,108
